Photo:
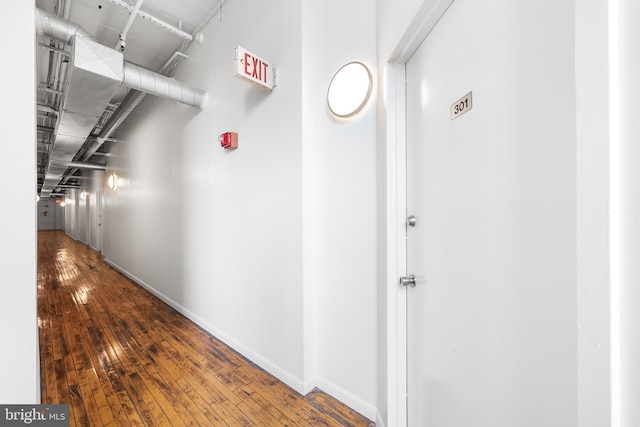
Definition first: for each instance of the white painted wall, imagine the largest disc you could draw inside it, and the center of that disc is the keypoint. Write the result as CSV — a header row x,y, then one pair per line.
x,y
72,214
19,370
242,210
50,215
593,237
81,216
67,216
628,34
225,236
340,204
95,220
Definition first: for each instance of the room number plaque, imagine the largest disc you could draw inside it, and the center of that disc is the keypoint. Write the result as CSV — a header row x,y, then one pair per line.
x,y
461,106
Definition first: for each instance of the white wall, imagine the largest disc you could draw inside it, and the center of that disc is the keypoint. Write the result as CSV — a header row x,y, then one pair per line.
x,y
95,215
628,34
242,210
220,233
81,216
226,236
340,204
19,370
50,215
608,228
71,214
592,124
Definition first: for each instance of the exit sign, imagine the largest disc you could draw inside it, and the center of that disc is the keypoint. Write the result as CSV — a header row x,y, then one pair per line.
x,y
255,69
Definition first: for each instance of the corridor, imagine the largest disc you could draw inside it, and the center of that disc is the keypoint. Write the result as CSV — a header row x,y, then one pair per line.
x,y
120,356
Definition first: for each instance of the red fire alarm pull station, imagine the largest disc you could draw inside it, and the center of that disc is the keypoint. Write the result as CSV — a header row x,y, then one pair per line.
x,y
229,140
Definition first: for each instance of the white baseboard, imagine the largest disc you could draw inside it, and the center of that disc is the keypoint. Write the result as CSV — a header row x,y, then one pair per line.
x,y
349,399
283,375
286,377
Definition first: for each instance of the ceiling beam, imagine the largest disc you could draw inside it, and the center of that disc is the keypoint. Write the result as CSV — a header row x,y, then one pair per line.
x,y
153,19
46,129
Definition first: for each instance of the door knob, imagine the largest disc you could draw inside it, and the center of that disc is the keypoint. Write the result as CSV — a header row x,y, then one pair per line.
x,y
412,220
409,280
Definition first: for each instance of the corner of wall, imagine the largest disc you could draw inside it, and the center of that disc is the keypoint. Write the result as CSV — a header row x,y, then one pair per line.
x,y
349,399
283,375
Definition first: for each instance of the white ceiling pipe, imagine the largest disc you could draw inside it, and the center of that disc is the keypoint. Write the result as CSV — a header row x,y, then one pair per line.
x,y
153,19
67,186
136,77
97,74
53,26
47,109
94,166
123,35
126,107
132,76
128,104
67,9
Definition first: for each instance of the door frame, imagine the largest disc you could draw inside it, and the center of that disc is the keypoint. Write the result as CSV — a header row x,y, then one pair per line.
x,y
419,28
98,221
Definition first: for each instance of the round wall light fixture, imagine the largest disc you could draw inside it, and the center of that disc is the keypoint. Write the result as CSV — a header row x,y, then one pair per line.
x,y
349,89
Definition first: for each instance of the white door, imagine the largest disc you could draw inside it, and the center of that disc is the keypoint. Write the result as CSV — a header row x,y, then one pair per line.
x,y
487,253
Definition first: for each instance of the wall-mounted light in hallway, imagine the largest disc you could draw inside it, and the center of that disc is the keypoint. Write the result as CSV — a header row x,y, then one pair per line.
x,y
84,196
116,182
113,181
349,90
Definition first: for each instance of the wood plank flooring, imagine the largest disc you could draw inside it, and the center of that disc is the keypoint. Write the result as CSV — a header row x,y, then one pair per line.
x,y
120,356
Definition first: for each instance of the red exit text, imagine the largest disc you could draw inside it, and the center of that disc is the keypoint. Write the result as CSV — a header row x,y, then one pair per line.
x,y
253,68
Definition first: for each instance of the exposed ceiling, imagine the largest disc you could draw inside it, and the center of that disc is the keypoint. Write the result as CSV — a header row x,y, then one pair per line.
x,y
153,38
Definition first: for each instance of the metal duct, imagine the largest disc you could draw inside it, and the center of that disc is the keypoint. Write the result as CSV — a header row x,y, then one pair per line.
x,y
133,76
126,107
94,75
58,28
93,166
152,83
128,104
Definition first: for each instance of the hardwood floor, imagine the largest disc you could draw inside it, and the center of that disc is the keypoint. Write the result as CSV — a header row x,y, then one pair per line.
x,y
120,356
